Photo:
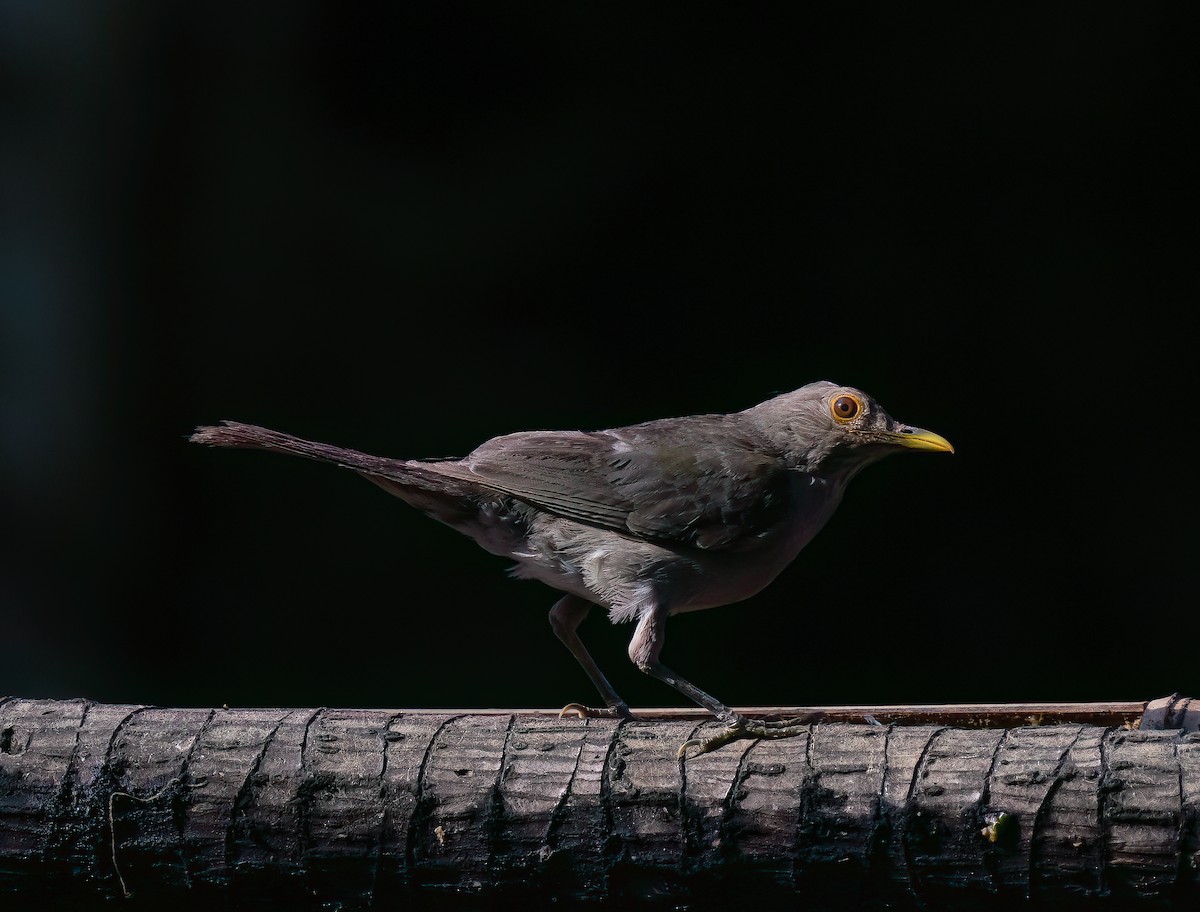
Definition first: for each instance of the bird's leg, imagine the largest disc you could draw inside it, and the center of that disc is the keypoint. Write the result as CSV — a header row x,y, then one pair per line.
x,y
565,617
644,650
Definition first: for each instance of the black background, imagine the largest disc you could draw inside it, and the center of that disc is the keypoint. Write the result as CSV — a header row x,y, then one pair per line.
x,y
408,228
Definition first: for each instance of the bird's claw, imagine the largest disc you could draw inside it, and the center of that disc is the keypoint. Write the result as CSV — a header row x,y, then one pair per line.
x,y
580,711
740,729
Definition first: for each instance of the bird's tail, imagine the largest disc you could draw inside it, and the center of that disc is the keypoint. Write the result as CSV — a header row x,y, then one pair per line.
x,y
249,436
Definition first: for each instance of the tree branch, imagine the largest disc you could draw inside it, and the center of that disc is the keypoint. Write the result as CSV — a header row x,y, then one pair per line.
x,y
365,807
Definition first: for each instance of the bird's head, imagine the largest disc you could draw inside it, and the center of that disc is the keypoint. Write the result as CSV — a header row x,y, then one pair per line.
x,y
836,430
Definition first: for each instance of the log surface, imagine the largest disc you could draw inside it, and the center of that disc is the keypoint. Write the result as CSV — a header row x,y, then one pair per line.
x,y
355,808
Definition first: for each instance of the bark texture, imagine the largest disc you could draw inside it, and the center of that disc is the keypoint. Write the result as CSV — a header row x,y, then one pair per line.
x,y
362,808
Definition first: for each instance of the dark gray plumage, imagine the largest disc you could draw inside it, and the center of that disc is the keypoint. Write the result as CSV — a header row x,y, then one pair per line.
x,y
649,520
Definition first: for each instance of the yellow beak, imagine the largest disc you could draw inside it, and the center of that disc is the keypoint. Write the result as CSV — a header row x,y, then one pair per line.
x,y
920,439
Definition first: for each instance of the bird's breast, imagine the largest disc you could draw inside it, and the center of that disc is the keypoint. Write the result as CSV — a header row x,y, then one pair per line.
x,y
731,576
623,572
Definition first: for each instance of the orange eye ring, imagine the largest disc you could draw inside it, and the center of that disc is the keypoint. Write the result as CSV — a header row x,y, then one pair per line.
x,y
845,408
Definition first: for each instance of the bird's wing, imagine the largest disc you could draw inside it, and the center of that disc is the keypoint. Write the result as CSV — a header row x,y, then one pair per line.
x,y
701,482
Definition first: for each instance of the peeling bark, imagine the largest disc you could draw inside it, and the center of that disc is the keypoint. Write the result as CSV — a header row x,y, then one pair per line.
x,y
368,808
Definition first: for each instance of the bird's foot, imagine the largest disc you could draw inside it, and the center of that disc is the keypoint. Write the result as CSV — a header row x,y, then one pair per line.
x,y
741,728
617,711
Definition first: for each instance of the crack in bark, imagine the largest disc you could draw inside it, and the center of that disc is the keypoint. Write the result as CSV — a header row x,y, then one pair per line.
x,y
420,814
1039,815
183,780
985,795
686,836
807,786
610,847
878,811
386,817
64,794
179,780
109,776
304,794
495,813
1102,790
241,799
106,767
556,814
1182,862
906,836
63,798
739,776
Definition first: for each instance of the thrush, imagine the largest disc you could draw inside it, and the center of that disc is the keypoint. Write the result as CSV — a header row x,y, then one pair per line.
x,y
646,521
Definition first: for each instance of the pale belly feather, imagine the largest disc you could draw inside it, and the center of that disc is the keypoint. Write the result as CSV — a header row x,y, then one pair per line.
x,y
630,575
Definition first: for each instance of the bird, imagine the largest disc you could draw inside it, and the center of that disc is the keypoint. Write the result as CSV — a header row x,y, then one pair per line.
x,y
648,520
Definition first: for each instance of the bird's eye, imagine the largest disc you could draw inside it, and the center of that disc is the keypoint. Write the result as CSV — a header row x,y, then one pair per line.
x,y
845,408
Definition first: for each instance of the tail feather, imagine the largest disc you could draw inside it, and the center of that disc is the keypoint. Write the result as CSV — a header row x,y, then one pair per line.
x,y
447,499
249,436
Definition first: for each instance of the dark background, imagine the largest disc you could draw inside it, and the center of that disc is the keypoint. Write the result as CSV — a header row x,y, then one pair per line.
x,y
408,228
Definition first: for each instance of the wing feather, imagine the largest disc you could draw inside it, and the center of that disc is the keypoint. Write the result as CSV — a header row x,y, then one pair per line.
x,y
703,481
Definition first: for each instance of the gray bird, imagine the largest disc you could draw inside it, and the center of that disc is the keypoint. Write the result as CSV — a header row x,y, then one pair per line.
x,y
648,521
